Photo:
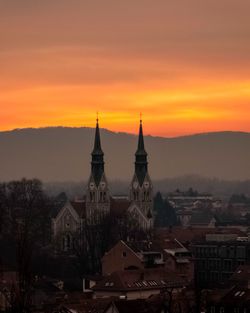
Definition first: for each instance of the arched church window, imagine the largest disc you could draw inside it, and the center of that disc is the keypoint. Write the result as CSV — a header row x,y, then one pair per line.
x,y
66,242
92,196
134,195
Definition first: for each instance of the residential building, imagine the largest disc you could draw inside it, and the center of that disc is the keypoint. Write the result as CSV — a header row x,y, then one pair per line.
x,y
217,256
131,255
138,284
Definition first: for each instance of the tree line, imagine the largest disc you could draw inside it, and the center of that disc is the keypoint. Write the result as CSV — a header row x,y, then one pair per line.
x,y
26,242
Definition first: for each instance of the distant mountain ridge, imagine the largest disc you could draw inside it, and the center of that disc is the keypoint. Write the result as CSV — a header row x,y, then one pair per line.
x,y
63,154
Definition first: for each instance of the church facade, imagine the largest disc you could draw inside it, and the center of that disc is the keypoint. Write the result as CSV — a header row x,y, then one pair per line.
x,y
98,202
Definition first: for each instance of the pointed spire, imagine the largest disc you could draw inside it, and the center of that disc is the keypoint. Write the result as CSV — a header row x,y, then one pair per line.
x,y
97,145
141,164
140,147
97,163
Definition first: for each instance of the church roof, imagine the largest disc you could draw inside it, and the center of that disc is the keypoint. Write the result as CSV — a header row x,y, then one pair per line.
x,y
119,207
79,207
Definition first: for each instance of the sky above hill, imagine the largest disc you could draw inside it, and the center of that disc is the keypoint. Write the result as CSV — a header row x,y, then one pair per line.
x,y
184,64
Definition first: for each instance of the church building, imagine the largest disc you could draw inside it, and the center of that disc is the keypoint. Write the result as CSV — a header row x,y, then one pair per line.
x,y
141,188
98,202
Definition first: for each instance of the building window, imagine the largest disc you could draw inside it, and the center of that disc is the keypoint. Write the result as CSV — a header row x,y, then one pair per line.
x,y
87,283
241,252
137,195
66,242
124,254
134,195
92,196
222,310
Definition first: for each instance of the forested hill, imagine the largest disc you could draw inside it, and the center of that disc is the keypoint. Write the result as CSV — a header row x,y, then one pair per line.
x,y
63,154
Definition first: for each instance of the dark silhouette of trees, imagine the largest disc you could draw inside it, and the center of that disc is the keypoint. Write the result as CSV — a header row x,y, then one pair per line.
x,y
94,240
26,224
91,243
239,198
165,213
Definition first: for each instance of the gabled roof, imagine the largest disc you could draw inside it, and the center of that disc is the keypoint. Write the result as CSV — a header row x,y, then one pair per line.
x,y
125,245
119,207
134,207
146,279
237,297
241,275
79,207
141,246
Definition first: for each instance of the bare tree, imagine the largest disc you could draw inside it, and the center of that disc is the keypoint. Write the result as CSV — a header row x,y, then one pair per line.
x,y
24,201
91,242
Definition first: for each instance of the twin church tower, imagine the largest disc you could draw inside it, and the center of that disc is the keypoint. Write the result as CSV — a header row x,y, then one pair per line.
x,y
98,198
98,202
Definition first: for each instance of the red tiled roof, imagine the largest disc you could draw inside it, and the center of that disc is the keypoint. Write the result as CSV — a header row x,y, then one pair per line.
x,y
241,275
119,207
139,280
187,235
142,246
79,207
154,245
234,297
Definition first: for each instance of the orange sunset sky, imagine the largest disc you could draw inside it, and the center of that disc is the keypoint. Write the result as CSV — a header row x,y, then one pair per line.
x,y
185,64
